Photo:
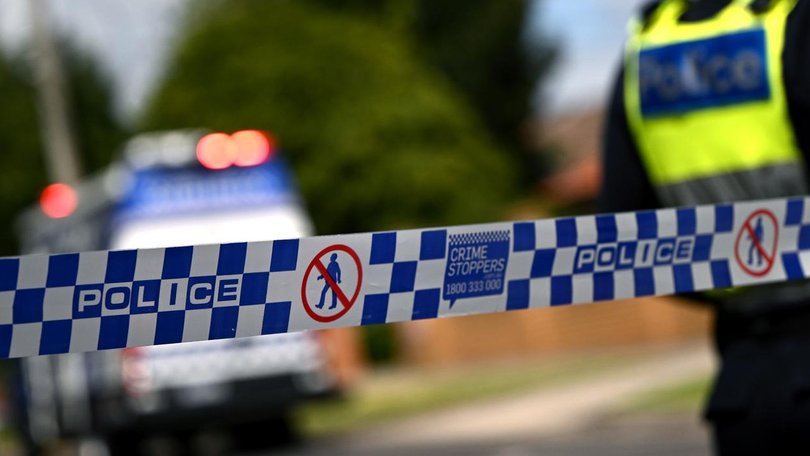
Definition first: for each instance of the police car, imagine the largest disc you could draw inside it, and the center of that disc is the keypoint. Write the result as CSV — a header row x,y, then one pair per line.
x,y
172,189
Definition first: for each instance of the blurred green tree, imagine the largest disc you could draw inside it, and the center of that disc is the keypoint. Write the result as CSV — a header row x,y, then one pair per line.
x,y
98,132
481,47
22,172
378,137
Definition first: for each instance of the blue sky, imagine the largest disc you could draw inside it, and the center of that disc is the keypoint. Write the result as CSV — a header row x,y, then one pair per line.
x,y
132,37
590,35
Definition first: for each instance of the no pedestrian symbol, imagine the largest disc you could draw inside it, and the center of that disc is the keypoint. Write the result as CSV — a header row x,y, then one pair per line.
x,y
755,248
331,283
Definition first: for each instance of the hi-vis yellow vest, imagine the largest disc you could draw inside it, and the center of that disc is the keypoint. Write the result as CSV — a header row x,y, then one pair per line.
x,y
706,105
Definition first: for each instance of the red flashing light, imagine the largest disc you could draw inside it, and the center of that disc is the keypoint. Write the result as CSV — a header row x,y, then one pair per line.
x,y
253,147
243,148
58,200
216,151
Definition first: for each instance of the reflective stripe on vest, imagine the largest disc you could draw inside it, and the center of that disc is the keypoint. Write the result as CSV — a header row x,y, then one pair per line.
x,y
706,104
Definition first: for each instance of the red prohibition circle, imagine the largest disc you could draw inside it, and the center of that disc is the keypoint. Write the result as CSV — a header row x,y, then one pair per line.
x,y
345,300
746,227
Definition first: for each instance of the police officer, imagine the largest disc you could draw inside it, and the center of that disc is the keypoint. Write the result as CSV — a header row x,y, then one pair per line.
x,y
712,105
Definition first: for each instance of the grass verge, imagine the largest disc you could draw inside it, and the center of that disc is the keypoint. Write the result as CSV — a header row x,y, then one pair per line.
x,y
687,396
396,394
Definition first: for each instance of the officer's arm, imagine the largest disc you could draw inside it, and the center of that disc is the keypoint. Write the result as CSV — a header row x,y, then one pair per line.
x,y
795,60
625,186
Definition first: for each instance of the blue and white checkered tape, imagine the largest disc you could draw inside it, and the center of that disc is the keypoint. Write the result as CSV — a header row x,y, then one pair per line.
x,y
113,299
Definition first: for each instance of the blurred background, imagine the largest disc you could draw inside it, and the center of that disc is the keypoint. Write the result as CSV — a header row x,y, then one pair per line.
x,y
169,122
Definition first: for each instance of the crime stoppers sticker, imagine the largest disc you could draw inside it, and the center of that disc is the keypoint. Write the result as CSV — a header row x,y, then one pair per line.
x,y
476,265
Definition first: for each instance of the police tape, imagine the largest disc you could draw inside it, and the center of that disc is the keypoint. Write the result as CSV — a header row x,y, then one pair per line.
x,y
101,300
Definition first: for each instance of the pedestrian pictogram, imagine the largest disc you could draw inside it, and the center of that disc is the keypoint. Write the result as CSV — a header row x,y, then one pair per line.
x,y
331,283
755,249
333,272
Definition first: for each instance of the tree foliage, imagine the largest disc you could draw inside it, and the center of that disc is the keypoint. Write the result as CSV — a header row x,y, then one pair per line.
x,y
98,133
22,173
480,46
377,136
